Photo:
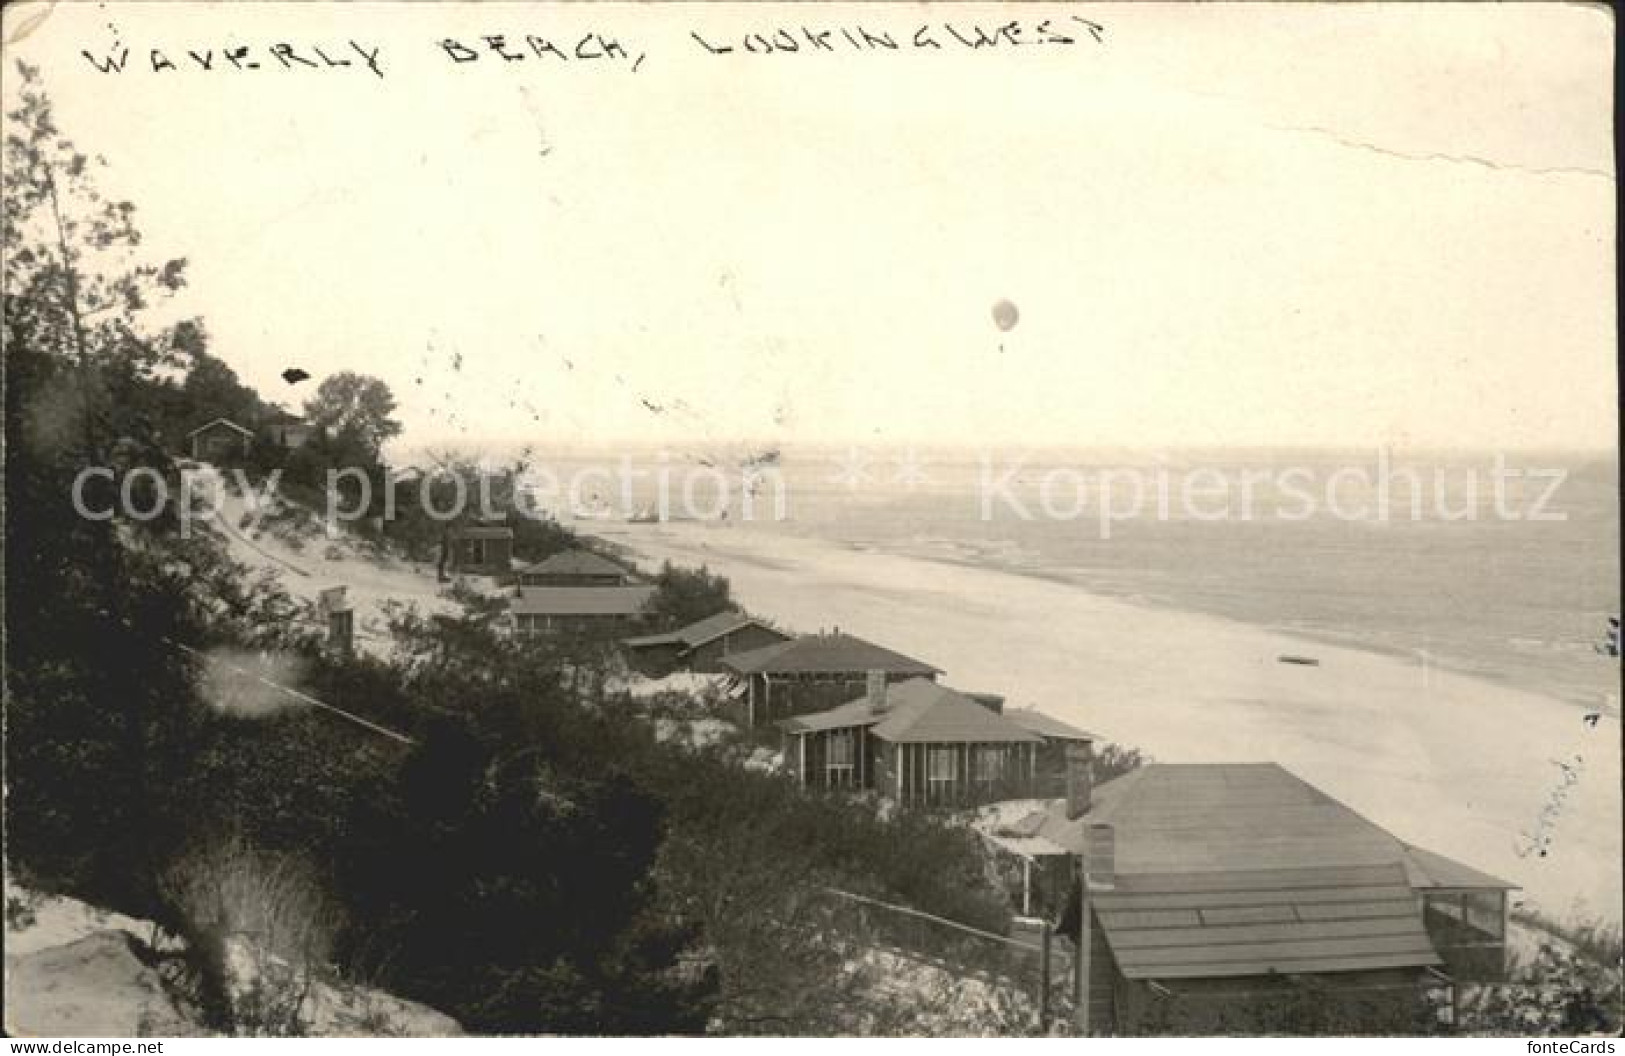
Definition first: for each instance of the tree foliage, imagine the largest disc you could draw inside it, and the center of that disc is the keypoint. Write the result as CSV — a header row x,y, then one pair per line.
x,y
355,411
686,595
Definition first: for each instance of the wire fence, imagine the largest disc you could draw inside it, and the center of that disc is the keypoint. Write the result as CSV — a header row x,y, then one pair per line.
x,y
1026,968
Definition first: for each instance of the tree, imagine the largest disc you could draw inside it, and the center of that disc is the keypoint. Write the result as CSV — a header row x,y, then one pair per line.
x,y
355,409
213,390
683,596
73,287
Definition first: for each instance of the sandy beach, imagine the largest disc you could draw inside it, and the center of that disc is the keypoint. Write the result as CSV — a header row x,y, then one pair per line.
x,y
1483,772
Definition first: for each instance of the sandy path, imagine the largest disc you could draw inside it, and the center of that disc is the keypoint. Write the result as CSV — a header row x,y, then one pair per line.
x,y
1456,764
305,572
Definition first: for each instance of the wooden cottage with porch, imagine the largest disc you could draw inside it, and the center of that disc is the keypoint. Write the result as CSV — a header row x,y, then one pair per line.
x,y
579,611
578,593
702,645
813,672
920,744
1230,898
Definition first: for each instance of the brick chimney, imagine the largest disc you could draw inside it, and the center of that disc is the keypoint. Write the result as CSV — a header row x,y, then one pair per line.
x,y
876,692
1101,841
1080,779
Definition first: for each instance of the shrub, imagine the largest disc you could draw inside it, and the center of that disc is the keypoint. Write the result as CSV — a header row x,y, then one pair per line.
x,y
259,930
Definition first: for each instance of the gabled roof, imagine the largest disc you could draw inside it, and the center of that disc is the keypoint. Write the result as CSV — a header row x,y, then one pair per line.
x,y
1258,922
826,654
1047,727
227,422
574,563
582,601
919,712
702,631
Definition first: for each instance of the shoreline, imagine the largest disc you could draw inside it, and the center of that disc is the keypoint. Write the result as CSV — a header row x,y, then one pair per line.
x,y
1309,635
1583,700
1377,732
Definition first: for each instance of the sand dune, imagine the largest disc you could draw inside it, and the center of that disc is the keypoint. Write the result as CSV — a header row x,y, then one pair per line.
x,y
1483,772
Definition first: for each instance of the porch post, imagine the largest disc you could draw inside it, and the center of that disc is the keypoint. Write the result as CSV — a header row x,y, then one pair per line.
x,y
1082,959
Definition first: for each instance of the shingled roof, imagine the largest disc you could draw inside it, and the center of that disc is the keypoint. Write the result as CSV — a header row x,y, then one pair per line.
x,y
920,712
1197,817
575,563
701,631
826,654
227,422
582,601
1051,729
1255,922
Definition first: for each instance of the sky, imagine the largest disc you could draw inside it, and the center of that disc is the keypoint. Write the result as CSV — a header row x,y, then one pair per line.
x,y
1217,225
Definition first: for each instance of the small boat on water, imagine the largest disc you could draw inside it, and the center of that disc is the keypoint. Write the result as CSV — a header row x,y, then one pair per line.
x,y
1293,658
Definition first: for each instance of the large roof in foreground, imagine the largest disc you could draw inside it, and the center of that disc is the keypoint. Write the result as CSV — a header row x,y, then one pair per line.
x,y
921,712
1207,817
1246,869
826,654
1255,922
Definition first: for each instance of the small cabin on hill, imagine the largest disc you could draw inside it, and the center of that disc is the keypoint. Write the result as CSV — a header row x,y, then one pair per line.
x,y
220,440
923,744
574,568
1220,896
478,549
813,672
701,646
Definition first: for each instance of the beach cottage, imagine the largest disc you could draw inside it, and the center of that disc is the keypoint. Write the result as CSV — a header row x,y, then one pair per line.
x,y
578,592
702,645
219,440
811,673
921,744
478,549
1237,898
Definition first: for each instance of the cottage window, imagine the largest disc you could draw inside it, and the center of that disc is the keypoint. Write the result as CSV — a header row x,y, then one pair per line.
x,y
989,763
942,765
839,755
